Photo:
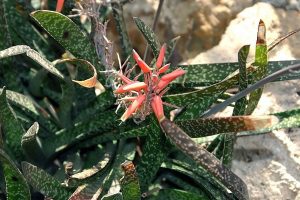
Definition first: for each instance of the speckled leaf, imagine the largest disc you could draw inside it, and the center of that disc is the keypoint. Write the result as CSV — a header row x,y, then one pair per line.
x,y
286,119
171,194
21,101
207,74
12,128
34,55
205,182
155,151
114,135
44,183
30,145
149,36
130,186
102,122
8,73
185,184
90,174
68,34
202,127
195,102
21,30
16,186
204,159
240,105
101,103
125,152
239,108
261,64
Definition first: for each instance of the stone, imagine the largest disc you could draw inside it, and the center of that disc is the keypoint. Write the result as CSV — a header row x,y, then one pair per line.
x,y
200,23
243,29
269,163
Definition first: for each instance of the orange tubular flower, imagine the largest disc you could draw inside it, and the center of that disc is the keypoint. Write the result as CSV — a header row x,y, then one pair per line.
x,y
133,107
59,5
135,86
158,108
161,56
150,91
144,67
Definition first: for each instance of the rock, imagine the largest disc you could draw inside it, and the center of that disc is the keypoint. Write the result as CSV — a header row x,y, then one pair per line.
x,y
200,23
243,30
270,163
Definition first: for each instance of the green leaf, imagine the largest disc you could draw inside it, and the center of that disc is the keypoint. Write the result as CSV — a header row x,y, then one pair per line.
x,y
126,152
205,182
203,127
170,194
286,119
89,175
207,74
44,183
68,34
195,102
16,186
155,151
183,183
11,126
149,36
30,145
240,105
66,104
9,73
130,186
204,159
21,101
227,143
34,55
261,64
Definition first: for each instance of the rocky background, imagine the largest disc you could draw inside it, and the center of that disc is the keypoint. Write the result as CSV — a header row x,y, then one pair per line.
x,y
213,31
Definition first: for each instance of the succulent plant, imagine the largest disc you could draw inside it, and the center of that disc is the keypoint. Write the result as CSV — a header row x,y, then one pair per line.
x,y
60,140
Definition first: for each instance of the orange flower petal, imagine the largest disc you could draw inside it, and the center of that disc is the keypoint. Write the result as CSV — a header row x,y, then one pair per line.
x,y
157,107
173,75
166,79
144,67
136,86
133,107
59,5
164,68
161,56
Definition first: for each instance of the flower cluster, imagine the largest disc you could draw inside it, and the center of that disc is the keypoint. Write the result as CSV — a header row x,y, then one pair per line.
x,y
141,98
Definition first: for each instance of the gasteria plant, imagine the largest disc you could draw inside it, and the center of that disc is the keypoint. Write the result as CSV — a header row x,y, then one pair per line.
x,y
60,140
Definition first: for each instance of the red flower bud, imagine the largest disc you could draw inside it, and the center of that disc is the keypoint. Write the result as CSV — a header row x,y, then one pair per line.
x,y
158,108
59,5
135,86
133,107
161,56
144,67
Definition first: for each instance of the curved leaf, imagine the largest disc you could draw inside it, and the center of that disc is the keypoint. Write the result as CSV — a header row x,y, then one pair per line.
x,y
44,183
16,185
12,127
68,34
